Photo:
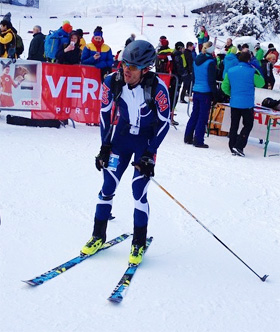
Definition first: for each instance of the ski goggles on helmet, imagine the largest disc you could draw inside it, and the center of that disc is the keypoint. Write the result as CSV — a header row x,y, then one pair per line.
x,y
132,67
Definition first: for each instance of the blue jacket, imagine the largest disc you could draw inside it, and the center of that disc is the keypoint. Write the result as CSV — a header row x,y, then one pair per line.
x,y
105,60
240,82
230,60
204,74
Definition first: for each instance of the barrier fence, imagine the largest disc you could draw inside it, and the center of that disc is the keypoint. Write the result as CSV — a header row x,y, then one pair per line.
x,y
54,91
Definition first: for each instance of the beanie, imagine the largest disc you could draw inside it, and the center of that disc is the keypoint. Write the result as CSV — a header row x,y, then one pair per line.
x,y
66,21
270,45
179,45
98,32
7,17
80,32
67,27
164,42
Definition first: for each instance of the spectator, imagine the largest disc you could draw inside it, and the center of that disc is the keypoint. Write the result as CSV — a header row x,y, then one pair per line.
x,y
161,38
130,39
259,53
71,53
239,84
7,40
98,54
80,33
187,79
272,49
230,60
228,45
164,59
202,37
36,49
205,91
179,69
267,70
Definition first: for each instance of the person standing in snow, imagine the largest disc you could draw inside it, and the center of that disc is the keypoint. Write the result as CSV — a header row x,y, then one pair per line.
x,y
202,37
259,52
7,39
98,54
267,70
36,49
187,80
205,91
70,54
239,83
272,49
130,39
139,132
228,45
230,60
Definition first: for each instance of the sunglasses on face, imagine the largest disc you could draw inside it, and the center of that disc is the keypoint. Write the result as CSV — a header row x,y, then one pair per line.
x,y
131,67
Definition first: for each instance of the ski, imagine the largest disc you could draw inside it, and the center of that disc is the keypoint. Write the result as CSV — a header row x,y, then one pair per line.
x,y
118,293
72,262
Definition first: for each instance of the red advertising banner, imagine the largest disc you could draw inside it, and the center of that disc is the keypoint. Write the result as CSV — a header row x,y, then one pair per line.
x,y
70,91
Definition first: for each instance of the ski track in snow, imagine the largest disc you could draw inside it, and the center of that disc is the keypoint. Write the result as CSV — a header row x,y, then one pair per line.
x,y
188,281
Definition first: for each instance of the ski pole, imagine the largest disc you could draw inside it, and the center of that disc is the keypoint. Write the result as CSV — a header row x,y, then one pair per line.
x,y
208,230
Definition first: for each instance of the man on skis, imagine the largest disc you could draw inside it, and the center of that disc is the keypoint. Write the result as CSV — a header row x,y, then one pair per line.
x,y
142,125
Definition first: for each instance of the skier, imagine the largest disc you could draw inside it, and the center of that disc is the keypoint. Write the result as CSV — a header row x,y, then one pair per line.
x,y
140,130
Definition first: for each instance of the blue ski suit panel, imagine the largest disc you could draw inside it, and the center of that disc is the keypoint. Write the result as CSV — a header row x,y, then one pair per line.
x,y
150,129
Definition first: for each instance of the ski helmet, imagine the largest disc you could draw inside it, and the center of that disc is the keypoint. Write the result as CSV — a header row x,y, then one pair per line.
x,y
139,53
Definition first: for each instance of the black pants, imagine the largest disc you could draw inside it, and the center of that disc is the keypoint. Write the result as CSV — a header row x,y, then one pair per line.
x,y
186,86
247,115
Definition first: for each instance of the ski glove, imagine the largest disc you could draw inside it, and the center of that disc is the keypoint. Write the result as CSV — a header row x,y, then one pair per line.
x,y
146,164
102,159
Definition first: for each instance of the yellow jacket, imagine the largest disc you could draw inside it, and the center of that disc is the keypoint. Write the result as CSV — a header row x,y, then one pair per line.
x,y
7,40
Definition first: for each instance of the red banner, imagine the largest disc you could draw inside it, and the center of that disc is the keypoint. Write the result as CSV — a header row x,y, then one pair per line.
x,y
70,91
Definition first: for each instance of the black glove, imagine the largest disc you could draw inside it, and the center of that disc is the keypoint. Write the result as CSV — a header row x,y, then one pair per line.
x,y
102,159
146,164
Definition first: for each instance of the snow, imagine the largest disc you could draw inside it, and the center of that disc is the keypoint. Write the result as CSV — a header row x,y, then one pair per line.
x,y
188,281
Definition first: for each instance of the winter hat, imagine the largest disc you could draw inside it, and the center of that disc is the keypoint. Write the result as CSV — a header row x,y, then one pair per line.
x,y
7,17
66,21
257,46
270,45
233,50
98,32
179,45
80,32
67,27
162,37
210,49
164,42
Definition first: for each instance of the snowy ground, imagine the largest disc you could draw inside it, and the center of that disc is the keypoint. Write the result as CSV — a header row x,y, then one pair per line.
x,y
188,281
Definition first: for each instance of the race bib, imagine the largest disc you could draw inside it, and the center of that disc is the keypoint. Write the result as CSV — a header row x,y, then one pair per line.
x,y
113,162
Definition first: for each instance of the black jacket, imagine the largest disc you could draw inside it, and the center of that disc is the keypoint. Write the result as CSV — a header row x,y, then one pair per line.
x,y
36,48
267,71
178,67
189,60
68,58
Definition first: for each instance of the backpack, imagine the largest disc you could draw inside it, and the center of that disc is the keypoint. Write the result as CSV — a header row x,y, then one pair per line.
x,y
19,45
164,62
271,103
149,85
52,43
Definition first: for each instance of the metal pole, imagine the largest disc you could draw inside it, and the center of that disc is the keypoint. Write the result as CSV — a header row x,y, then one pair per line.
x,y
208,230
